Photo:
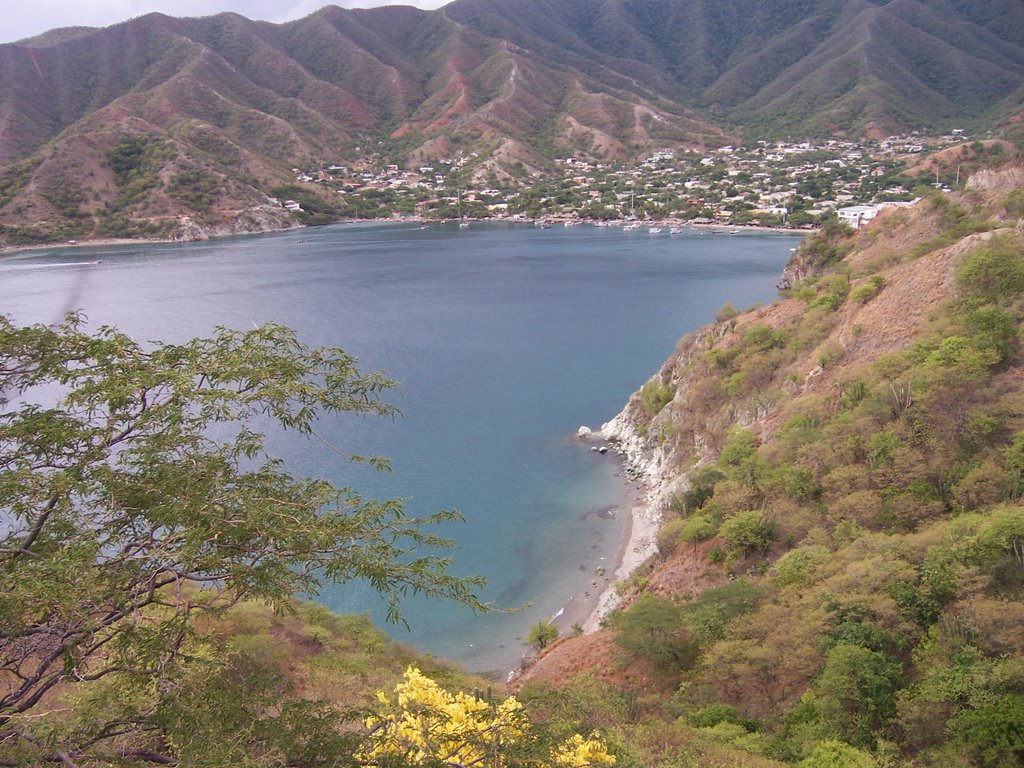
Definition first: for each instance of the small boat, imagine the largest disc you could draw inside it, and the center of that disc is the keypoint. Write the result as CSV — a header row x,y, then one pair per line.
x,y
463,224
675,230
655,230
630,227
425,226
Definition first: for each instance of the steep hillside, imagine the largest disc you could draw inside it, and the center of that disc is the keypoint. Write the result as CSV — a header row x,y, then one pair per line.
x,y
810,67
838,474
233,105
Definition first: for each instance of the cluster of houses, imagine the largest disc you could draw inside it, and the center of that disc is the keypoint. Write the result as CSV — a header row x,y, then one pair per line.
x,y
781,183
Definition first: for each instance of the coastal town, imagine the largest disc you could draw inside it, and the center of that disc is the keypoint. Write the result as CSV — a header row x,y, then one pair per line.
x,y
770,184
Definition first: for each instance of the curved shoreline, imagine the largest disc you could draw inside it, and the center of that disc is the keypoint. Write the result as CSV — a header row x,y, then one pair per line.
x,y
7,249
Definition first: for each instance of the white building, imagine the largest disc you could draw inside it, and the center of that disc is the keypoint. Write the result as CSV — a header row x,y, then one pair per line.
x,y
856,215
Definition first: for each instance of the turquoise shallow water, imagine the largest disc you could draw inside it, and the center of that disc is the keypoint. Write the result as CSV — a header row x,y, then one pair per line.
x,y
505,339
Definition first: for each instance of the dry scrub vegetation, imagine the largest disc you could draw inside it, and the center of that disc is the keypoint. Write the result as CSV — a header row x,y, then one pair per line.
x,y
840,583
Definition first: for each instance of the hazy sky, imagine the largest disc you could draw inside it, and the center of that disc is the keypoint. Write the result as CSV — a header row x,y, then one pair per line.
x,y
24,18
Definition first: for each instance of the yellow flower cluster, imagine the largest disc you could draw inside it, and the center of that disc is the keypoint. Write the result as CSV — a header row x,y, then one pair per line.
x,y
423,723
579,752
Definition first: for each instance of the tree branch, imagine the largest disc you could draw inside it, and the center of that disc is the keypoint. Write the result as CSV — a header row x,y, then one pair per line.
x,y
37,528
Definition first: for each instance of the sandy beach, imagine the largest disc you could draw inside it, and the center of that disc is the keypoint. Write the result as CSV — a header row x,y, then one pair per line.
x,y
637,543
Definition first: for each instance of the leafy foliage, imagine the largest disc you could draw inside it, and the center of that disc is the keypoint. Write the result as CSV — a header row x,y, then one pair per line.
x,y
138,499
653,629
542,634
195,188
655,395
992,273
128,158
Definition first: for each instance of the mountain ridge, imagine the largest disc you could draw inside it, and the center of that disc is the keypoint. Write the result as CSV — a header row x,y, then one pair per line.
x,y
513,84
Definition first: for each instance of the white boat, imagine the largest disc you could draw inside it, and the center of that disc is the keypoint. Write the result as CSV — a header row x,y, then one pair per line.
x,y
655,230
675,230
630,226
463,224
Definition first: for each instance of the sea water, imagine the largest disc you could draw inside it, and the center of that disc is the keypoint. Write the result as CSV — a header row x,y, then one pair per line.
x,y
504,338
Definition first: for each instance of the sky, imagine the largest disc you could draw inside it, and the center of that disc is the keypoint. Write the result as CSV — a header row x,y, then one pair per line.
x,y
25,18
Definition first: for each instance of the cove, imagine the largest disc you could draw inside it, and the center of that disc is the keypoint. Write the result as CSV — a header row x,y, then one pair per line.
x,y
504,338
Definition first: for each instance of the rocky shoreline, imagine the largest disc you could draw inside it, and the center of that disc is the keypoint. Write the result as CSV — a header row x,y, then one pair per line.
x,y
643,467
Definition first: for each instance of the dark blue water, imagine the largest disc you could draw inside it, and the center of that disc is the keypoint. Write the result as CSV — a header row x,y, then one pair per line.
x,y
505,339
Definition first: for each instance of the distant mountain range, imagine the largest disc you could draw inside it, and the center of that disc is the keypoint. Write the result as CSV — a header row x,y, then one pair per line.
x,y
231,105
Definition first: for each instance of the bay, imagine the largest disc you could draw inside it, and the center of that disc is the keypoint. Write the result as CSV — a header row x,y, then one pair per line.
x,y
505,339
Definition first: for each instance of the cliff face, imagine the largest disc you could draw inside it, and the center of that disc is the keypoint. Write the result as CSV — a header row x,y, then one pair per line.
x,y
902,269
856,302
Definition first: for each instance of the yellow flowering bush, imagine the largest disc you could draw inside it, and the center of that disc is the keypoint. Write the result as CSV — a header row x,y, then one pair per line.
x,y
421,723
578,752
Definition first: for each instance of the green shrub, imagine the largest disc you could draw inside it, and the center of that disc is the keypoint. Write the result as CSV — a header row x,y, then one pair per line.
x,y
748,531
992,273
668,536
654,396
195,188
542,634
992,328
762,337
855,693
128,157
994,732
830,353
853,393
740,446
697,528
836,754
726,312
712,714
702,484
794,566
653,628
864,292
710,614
